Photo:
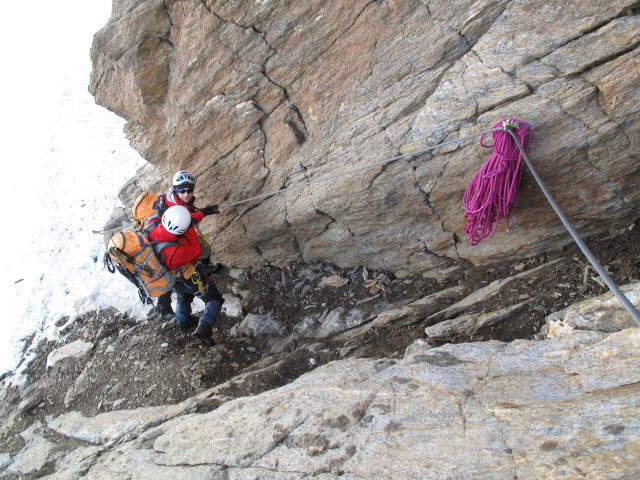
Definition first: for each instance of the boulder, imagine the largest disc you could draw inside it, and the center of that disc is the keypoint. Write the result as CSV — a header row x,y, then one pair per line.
x,y
36,453
232,306
469,324
255,325
604,313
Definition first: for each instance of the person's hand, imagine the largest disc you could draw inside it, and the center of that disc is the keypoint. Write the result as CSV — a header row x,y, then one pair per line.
x,y
210,210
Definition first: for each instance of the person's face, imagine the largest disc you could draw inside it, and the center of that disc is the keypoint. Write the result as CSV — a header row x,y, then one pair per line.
x,y
185,194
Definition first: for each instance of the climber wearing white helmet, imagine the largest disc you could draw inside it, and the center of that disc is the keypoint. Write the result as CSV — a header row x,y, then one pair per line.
x,y
181,257
176,220
181,193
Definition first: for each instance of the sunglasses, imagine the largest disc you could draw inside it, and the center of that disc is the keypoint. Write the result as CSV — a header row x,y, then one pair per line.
x,y
185,190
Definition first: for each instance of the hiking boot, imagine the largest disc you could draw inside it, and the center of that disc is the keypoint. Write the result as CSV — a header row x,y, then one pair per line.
x,y
203,333
161,313
192,321
166,314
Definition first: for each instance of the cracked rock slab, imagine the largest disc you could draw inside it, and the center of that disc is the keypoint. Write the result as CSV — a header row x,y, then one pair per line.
x,y
529,409
37,452
470,324
617,36
69,352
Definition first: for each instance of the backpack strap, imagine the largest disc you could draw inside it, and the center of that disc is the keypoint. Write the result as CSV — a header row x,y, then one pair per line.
x,y
151,223
160,205
158,247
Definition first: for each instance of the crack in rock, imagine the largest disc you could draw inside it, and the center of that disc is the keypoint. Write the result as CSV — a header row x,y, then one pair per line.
x,y
427,200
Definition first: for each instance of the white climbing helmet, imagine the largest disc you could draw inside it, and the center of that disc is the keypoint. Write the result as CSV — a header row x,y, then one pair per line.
x,y
183,176
176,219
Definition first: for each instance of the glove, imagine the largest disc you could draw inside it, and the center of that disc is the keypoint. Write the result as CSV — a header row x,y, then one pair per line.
x,y
210,210
206,269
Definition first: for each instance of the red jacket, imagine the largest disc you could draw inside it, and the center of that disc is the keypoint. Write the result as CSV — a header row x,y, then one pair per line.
x,y
176,256
172,199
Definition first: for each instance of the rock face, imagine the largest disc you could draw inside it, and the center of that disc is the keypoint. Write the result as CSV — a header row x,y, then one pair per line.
x,y
256,96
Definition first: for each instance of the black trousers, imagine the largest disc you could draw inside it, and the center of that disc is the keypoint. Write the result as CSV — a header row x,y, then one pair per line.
x,y
210,295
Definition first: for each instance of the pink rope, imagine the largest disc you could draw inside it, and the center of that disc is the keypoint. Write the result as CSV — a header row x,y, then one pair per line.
x,y
493,191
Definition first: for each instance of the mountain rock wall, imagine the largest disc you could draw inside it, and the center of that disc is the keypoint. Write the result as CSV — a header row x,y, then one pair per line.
x,y
256,96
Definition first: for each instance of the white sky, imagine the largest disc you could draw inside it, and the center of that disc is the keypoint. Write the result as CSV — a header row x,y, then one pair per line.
x,y
64,160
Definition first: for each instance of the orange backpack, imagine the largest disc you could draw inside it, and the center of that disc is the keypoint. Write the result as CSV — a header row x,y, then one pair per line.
x,y
138,258
147,211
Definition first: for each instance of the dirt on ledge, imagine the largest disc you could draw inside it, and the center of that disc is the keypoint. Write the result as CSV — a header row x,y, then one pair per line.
x,y
136,363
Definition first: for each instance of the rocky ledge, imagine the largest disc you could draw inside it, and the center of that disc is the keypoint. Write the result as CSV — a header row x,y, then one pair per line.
x,y
563,407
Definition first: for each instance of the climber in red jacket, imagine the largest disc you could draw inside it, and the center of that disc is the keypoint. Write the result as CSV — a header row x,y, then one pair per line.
x,y
182,193
182,258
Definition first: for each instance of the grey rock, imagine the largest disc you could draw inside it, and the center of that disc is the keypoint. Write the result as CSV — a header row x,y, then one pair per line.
x,y
35,454
334,281
135,340
75,463
255,325
328,323
61,321
238,274
489,291
339,320
617,36
604,313
232,306
476,297
76,350
507,399
467,325
81,383
29,403
168,325
417,310
34,394
110,427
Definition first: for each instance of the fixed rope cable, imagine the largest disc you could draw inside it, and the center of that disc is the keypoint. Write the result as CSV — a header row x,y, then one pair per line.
x,y
626,303
337,175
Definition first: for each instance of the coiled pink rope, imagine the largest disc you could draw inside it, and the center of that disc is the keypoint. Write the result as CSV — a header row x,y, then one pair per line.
x,y
493,191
